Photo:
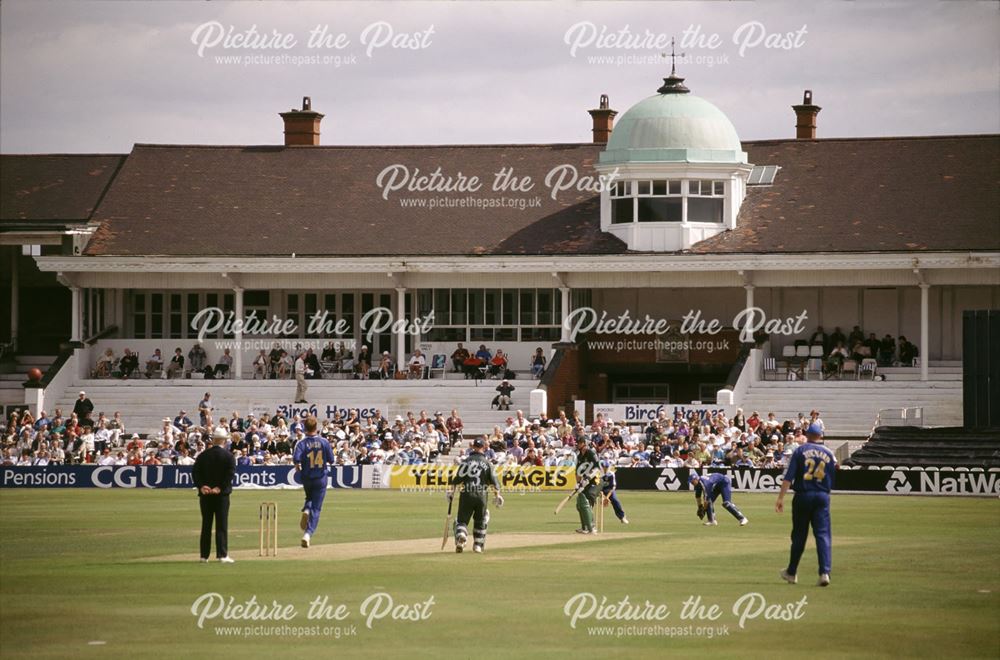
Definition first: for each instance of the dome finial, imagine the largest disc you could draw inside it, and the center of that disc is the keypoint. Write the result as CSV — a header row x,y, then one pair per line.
x,y
674,84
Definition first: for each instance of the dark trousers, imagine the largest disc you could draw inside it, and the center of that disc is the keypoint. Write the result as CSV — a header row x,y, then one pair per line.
x,y
472,506
811,509
214,507
615,504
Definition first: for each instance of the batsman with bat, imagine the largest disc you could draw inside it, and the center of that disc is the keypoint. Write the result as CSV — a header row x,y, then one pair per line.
x,y
707,489
476,477
588,479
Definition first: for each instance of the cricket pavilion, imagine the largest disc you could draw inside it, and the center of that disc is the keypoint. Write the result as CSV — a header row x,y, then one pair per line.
x,y
665,215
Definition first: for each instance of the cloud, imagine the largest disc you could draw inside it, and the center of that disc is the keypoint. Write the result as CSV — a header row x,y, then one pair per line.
x,y
99,76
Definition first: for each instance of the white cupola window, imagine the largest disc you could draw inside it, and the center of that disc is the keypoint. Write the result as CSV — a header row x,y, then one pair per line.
x,y
678,172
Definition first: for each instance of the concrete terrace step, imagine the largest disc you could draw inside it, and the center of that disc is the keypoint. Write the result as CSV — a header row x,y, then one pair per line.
x,y
850,408
144,403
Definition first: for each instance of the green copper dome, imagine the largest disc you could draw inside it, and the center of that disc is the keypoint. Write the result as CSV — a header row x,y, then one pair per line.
x,y
673,127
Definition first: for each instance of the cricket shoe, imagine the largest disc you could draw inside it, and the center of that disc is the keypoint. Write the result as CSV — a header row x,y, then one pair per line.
x,y
824,580
304,521
227,560
624,520
204,560
459,548
583,531
711,523
305,540
788,577
743,521
478,549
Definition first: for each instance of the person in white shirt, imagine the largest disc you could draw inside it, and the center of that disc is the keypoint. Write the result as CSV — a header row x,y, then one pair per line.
x,y
154,363
184,458
300,379
416,364
106,458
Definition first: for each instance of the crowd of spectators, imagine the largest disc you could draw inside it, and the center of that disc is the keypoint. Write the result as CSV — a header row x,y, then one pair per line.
x,y
261,439
838,348
680,440
127,365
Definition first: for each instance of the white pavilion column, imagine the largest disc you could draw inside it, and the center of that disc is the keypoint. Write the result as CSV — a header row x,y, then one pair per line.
x,y
14,290
238,335
749,288
76,314
924,329
565,307
400,332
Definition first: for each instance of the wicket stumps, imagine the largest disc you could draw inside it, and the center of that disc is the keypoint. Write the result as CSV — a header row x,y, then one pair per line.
x,y
268,529
600,513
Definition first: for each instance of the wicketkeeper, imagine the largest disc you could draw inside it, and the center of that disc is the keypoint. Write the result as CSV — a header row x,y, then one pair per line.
x,y
707,489
476,477
588,479
609,489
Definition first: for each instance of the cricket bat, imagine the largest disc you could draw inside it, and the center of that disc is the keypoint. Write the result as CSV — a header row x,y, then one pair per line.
x,y
447,523
576,491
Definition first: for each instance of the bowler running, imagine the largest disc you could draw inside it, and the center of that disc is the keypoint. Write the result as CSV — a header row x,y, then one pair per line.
x,y
312,455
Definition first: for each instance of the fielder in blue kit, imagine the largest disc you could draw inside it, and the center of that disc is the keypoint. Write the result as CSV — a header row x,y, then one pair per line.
x,y
312,454
609,487
713,485
810,475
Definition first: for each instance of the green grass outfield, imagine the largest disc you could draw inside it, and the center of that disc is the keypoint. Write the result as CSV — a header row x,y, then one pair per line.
x,y
913,577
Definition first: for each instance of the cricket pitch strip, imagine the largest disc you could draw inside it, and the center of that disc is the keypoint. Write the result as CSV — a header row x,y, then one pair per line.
x,y
362,549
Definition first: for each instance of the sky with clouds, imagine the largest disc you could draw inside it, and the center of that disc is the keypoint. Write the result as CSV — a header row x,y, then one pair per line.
x,y
97,77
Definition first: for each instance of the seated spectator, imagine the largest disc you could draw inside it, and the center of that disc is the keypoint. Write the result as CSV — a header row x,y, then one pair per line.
x,y
117,428
416,364
154,364
484,354
105,364
504,399
129,364
532,458
176,364
459,357
498,364
856,336
818,337
329,353
182,421
538,363
837,336
859,351
284,366
224,365
197,357
873,345
886,351
835,360
313,368
385,366
907,352
274,358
